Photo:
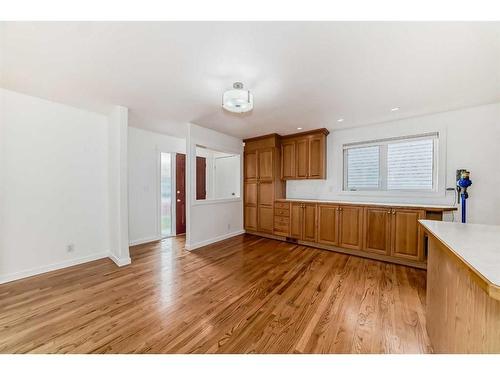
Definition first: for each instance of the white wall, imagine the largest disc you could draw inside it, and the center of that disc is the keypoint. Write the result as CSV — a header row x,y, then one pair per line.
x,y
117,185
144,148
227,180
211,220
470,139
54,185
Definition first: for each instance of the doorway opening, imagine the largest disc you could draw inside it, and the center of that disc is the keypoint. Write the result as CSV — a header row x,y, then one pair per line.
x,y
166,194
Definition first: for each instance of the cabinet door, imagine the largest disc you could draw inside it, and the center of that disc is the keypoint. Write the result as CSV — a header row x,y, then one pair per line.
x,y
407,238
265,221
250,205
302,158
250,217
328,224
250,165
266,194
288,160
309,222
296,212
377,230
351,227
250,193
316,157
266,165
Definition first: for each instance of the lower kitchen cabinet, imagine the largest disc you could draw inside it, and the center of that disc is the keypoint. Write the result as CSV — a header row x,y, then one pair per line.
x,y
351,227
303,221
406,234
328,227
377,232
380,232
394,232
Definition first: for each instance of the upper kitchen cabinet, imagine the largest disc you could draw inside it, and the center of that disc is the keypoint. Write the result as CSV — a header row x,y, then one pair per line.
x,y
303,155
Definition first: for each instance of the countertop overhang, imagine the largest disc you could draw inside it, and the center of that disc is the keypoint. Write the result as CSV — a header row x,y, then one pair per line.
x,y
477,246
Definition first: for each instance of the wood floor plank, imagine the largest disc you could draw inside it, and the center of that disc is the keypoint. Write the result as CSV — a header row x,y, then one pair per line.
x,y
243,295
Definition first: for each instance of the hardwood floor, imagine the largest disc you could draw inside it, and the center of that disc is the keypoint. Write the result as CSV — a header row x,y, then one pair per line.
x,y
244,295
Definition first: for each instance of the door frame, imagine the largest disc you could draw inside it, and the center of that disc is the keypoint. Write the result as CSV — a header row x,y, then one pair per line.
x,y
173,229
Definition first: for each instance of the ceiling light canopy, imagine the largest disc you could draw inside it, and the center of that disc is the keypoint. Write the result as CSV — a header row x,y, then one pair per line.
x,y
237,100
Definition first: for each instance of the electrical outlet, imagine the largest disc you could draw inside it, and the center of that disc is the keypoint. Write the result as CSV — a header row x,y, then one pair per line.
x,y
70,248
229,226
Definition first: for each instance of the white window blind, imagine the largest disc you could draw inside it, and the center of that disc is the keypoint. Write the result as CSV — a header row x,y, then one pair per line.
x,y
410,165
403,163
363,168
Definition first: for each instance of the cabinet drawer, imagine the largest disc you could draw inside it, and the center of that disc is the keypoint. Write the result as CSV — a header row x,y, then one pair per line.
x,y
281,212
281,227
281,220
284,205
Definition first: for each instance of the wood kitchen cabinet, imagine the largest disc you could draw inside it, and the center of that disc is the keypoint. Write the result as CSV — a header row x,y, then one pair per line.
x,y
328,219
351,227
406,234
303,221
394,232
303,155
262,184
288,159
377,230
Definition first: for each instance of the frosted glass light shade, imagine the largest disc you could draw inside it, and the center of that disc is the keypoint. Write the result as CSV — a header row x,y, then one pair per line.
x,y
237,100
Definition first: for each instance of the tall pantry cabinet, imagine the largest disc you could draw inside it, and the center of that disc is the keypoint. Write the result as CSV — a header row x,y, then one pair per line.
x,y
262,183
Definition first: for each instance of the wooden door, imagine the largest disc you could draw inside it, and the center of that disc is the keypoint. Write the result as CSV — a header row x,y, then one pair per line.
x,y
351,227
250,204
265,222
250,165
180,189
406,235
296,213
265,193
309,222
266,164
316,156
377,230
288,160
201,178
302,158
328,224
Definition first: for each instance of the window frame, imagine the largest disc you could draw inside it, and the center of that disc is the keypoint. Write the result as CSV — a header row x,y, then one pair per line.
x,y
383,165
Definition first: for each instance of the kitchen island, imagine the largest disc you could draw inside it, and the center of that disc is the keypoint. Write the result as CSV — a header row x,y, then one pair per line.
x,y
463,287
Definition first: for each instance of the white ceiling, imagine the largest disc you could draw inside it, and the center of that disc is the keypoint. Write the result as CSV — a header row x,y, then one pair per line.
x,y
302,74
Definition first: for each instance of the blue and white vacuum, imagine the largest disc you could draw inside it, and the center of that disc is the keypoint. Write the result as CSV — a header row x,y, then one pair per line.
x,y
463,182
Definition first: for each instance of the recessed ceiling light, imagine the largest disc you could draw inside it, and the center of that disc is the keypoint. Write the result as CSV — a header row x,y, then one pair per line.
x,y
395,109
299,128
340,120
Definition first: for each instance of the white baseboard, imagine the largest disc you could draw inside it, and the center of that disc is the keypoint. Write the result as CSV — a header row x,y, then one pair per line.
x,y
140,241
212,240
51,267
120,262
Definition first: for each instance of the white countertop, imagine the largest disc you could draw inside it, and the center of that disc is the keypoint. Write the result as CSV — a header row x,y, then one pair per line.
x,y
476,244
430,206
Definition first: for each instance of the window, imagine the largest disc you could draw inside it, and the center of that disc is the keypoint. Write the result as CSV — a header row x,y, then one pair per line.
x,y
396,164
217,174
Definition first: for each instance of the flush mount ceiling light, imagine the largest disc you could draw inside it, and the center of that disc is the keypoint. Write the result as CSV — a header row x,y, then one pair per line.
x,y
237,100
395,109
